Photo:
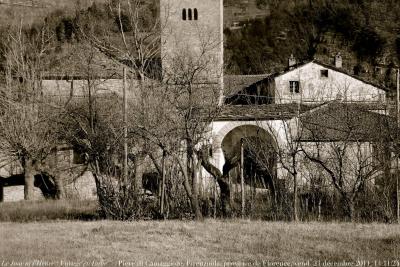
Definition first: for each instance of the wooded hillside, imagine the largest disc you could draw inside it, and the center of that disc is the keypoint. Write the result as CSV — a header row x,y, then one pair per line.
x,y
366,32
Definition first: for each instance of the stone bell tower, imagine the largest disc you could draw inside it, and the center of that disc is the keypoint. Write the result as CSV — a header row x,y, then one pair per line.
x,y
192,38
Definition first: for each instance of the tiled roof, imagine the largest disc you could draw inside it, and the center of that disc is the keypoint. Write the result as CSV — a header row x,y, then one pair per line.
x,y
261,112
336,121
76,61
236,83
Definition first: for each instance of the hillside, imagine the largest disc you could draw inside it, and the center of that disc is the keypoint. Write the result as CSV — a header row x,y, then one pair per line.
x,y
366,33
31,11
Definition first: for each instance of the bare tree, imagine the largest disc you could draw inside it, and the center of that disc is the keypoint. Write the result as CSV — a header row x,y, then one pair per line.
x,y
191,101
27,134
279,149
288,149
176,119
341,143
137,46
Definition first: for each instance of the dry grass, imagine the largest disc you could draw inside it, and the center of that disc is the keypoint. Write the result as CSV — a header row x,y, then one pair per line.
x,y
24,211
113,243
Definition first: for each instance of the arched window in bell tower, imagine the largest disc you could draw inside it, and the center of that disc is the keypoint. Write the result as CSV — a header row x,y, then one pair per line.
x,y
184,14
195,14
189,14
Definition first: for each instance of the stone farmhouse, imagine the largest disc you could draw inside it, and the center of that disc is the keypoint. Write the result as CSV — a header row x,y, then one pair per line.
x,y
307,83
309,105
68,80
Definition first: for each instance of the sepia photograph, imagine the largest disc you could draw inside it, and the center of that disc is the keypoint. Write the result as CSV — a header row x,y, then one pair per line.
x,y
200,133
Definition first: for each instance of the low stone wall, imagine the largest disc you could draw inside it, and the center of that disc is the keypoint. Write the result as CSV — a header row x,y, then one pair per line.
x,y
84,187
16,193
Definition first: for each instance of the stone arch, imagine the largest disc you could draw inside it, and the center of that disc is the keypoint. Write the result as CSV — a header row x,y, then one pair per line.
x,y
231,142
220,135
259,150
274,128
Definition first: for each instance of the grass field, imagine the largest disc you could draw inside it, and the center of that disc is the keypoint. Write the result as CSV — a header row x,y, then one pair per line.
x,y
208,243
45,210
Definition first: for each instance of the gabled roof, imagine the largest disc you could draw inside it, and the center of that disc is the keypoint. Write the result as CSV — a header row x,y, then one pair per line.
x,y
339,121
341,70
233,84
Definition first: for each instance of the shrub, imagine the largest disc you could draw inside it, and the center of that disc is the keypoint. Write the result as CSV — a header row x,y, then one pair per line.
x,y
119,202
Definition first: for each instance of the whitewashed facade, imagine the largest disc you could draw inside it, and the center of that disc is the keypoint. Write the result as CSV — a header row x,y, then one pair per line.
x,y
316,82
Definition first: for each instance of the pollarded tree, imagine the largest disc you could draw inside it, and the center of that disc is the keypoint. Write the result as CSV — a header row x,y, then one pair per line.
x,y
27,134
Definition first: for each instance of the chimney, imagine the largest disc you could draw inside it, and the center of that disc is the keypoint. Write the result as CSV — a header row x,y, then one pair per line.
x,y
338,61
291,61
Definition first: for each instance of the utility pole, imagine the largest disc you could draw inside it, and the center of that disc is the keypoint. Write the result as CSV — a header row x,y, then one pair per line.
x,y
215,199
242,176
125,129
163,185
397,154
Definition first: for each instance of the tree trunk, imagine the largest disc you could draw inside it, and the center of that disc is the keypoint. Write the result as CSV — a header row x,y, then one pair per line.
x,y
96,172
196,208
1,191
194,201
139,173
295,210
191,171
29,178
222,179
60,190
225,197
242,190
195,191
351,210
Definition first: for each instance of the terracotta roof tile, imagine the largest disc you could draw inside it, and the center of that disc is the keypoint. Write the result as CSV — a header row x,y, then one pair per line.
x,y
261,112
78,61
236,83
336,121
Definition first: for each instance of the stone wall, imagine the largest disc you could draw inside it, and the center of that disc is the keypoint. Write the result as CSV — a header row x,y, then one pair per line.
x,y
83,187
185,40
78,88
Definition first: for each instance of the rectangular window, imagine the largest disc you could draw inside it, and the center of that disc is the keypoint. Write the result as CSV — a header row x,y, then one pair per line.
x,y
324,73
294,87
